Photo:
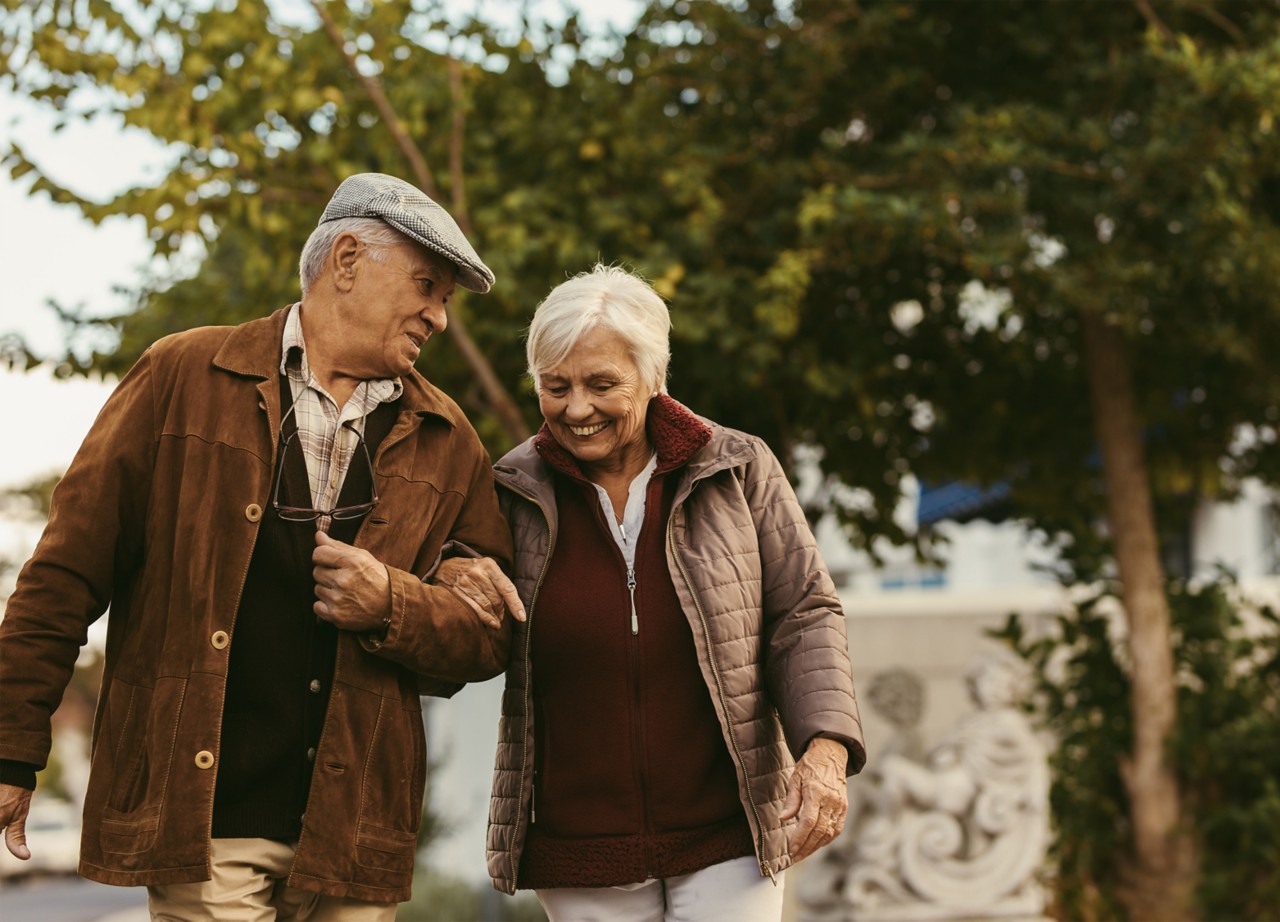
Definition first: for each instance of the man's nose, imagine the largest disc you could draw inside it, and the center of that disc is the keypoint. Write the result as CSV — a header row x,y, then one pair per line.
x,y
435,316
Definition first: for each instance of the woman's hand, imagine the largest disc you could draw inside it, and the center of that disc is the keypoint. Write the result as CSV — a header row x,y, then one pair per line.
x,y
817,797
481,584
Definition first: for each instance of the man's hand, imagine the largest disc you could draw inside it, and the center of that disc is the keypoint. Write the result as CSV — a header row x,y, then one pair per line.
x,y
15,803
353,589
817,795
480,582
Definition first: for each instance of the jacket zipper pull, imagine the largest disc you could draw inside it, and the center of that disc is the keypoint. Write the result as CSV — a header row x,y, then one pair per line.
x,y
631,587
533,800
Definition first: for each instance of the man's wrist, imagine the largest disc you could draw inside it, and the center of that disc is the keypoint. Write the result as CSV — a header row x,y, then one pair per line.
x,y
376,636
18,774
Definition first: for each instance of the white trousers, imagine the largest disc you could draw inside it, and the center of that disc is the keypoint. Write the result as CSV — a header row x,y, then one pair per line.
x,y
729,890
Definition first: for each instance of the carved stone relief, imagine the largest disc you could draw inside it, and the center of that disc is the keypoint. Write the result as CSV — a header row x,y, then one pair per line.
x,y
959,835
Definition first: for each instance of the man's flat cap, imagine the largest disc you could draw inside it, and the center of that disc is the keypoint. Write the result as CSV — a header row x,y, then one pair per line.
x,y
408,210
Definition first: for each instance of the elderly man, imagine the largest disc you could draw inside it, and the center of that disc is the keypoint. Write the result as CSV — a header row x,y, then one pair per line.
x,y
259,505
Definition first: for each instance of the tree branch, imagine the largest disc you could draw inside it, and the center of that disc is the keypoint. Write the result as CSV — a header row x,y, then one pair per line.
x,y
371,85
500,402
456,139
1153,20
1222,22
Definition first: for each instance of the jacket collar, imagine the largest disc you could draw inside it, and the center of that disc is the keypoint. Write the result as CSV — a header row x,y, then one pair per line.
x,y
526,471
675,433
253,350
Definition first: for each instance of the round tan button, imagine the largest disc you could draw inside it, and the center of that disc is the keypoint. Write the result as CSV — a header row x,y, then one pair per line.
x,y
314,686
220,639
253,512
204,759
311,754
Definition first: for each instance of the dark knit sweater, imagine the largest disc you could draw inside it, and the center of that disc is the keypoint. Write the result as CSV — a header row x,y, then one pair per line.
x,y
282,658
632,775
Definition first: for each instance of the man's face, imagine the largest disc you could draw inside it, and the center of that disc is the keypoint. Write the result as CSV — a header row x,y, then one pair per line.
x,y
399,301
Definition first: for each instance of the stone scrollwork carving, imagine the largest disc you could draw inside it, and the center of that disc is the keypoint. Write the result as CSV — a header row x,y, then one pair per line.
x,y
962,835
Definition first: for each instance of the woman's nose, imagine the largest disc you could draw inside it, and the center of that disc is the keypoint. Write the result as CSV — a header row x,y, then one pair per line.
x,y
577,406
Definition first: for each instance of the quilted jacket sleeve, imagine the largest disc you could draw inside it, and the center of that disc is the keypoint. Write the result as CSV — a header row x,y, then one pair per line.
x,y
806,654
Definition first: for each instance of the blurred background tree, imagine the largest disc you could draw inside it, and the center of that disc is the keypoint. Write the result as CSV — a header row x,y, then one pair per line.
x,y
1021,243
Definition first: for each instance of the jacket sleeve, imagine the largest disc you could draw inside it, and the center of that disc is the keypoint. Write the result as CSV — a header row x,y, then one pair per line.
x,y
92,542
431,631
807,667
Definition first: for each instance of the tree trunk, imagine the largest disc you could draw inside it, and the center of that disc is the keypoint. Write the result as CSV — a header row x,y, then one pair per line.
x,y
1162,881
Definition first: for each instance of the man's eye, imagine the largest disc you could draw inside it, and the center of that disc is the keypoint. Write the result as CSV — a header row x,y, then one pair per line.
x,y
426,286
556,391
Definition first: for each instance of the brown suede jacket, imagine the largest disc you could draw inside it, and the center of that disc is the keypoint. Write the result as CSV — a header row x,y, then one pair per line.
x,y
157,516
767,626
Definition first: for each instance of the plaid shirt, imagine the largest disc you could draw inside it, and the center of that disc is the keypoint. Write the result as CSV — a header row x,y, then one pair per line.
x,y
326,433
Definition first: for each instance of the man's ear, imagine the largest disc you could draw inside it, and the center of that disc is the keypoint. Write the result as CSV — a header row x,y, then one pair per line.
x,y
345,256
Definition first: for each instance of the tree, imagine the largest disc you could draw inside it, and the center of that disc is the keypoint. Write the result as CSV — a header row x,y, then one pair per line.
x,y
1108,178
25,500
1027,243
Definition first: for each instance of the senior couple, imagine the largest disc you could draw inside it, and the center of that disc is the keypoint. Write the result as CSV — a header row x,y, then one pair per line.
x,y
297,535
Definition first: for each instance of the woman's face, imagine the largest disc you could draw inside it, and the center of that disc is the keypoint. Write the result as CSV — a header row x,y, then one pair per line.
x,y
595,403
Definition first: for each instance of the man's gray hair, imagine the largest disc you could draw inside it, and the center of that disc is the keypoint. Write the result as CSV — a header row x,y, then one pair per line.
x,y
610,297
377,236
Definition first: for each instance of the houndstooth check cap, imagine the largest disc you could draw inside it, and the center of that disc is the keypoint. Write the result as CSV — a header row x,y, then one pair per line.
x,y
410,211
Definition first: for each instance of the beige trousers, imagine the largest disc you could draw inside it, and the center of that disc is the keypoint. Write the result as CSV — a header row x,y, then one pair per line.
x,y
248,885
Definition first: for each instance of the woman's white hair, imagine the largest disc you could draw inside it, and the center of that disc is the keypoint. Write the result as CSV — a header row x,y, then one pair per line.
x,y
377,235
609,297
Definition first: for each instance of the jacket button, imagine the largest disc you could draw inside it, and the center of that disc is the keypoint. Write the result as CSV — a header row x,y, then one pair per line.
x,y
315,685
253,512
204,759
220,639
311,754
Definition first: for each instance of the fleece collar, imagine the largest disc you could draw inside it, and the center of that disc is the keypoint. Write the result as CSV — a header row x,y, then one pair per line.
x,y
674,432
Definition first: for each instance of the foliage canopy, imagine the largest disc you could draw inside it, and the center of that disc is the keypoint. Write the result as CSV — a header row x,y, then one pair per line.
x,y
878,223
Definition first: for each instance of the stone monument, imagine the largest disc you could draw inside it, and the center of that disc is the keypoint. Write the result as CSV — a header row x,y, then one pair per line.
x,y
961,835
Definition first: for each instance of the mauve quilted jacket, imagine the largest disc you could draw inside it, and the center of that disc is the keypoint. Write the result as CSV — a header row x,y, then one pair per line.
x,y
768,626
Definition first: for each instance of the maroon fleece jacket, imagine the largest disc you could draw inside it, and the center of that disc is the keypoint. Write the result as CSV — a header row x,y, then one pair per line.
x,y
633,778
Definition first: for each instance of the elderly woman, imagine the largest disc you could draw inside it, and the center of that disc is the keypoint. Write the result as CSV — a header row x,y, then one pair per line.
x,y
683,642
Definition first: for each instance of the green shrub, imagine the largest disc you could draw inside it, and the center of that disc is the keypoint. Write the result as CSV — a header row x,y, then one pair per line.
x,y
1226,750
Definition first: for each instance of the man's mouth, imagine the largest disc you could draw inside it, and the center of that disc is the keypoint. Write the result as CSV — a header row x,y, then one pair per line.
x,y
416,340
584,431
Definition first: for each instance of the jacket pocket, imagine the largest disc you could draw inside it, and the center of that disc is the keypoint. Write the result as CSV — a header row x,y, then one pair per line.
x,y
131,706
395,772
129,833
381,849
